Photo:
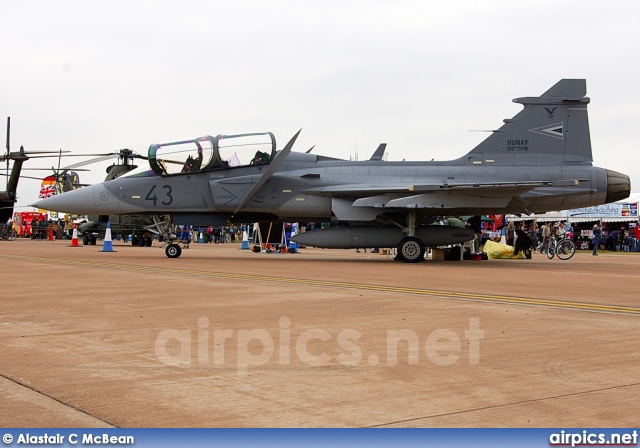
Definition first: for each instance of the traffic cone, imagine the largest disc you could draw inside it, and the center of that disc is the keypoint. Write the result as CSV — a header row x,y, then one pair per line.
x,y
74,238
201,237
107,246
245,239
51,234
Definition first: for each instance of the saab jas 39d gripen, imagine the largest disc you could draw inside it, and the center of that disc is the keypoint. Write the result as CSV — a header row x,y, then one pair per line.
x,y
537,161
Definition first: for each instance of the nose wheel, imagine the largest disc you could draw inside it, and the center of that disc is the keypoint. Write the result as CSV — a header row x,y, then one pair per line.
x,y
173,251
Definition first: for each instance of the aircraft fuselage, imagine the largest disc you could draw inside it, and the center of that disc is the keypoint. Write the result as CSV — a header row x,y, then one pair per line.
x,y
303,189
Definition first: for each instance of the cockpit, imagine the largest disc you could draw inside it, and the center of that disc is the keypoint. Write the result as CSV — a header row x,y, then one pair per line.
x,y
212,153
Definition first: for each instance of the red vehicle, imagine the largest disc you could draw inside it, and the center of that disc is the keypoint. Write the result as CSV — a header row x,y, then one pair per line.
x,y
23,220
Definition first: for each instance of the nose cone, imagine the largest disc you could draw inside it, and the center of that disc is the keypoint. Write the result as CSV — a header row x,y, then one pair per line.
x,y
76,202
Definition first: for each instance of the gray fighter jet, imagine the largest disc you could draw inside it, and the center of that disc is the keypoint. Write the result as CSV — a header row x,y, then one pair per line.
x,y
537,161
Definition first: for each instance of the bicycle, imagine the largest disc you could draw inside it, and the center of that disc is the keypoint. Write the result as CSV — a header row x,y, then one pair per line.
x,y
7,233
562,247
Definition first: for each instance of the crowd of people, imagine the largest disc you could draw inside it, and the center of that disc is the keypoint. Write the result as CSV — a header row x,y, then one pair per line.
x,y
211,234
537,237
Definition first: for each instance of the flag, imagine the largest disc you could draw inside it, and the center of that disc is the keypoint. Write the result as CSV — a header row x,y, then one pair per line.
x,y
48,187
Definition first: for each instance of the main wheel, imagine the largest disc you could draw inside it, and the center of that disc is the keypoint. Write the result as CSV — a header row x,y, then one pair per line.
x,y
565,249
173,251
411,250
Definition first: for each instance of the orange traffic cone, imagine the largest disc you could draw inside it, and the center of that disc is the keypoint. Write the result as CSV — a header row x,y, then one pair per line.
x,y
51,234
74,238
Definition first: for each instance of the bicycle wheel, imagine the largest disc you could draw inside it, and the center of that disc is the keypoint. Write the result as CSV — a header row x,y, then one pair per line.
x,y
12,235
551,249
565,249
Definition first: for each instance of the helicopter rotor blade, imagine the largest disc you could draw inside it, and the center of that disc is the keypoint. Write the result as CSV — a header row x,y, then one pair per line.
x,y
84,155
46,152
88,162
24,177
52,169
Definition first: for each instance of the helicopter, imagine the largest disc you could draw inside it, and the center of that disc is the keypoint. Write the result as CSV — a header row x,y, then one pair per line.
x,y
8,197
133,226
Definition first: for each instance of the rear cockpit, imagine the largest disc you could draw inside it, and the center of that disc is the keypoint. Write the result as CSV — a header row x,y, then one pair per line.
x,y
212,153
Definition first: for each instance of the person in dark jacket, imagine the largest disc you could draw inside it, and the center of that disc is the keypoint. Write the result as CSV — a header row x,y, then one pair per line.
x,y
533,235
596,238
610,243
475,223
523,242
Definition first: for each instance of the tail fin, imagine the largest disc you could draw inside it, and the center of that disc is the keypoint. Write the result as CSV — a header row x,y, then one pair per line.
x,y
551,129
379,152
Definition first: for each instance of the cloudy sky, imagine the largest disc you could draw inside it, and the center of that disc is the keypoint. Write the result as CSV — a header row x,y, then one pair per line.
x,y
418,75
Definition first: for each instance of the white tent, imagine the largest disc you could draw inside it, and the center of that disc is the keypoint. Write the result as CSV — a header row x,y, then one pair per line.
x,y
540,217
621,211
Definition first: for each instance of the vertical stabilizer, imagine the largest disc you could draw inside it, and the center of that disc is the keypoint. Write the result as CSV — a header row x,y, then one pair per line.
x,y
379,152
551,129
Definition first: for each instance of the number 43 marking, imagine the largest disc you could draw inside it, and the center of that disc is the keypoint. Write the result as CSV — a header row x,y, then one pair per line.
x,y
154,198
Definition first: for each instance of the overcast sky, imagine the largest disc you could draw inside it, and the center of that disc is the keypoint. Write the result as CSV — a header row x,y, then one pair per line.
x,y
418,75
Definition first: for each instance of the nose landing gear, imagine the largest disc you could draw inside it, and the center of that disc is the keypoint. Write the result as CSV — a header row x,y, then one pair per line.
x,y
173,250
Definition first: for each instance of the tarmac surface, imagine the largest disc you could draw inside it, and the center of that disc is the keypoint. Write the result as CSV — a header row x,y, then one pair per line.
x,y
223,337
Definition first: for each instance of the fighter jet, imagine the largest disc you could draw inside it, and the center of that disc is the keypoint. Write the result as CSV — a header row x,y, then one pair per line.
x,y
539,160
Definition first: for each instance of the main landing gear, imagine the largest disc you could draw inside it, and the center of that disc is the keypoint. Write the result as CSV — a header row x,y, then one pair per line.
x,y
411,250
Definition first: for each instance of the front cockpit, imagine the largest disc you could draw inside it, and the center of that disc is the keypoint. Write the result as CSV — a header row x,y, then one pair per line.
x,y
212,153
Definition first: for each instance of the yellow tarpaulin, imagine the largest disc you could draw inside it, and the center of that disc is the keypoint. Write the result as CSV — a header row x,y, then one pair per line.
x,y
497,250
